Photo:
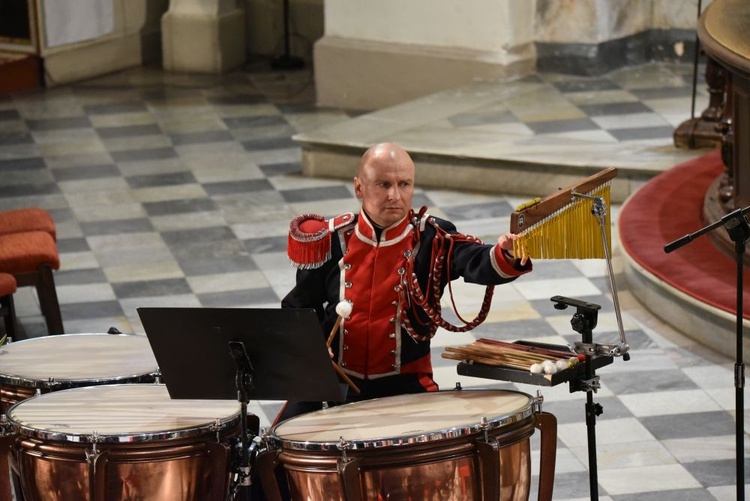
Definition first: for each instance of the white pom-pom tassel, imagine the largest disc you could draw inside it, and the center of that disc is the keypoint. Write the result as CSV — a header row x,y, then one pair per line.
x,y
344,309
562,364
535,369
548,366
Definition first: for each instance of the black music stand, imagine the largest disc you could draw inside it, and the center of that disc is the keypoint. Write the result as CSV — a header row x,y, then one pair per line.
x,y
242,354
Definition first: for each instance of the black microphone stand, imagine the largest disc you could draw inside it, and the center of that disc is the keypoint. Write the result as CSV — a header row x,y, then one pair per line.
x,y
739,231
244,382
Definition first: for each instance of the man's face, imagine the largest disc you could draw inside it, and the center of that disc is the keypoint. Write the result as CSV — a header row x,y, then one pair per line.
x,y
386,186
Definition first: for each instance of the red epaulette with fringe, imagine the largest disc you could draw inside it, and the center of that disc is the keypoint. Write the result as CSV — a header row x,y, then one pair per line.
x,y
309,243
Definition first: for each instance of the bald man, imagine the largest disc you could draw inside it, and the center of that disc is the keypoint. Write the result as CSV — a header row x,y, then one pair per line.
x,y
391,264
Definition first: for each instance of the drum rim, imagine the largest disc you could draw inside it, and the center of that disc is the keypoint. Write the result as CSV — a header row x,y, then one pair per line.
x,y
31,432
493,423
65,383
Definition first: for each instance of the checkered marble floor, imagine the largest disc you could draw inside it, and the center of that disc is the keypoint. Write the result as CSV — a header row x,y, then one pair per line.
x,y
177,190
505,129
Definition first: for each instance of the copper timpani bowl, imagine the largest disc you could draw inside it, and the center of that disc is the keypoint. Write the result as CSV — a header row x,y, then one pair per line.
x,y
463,445
53,363
122,442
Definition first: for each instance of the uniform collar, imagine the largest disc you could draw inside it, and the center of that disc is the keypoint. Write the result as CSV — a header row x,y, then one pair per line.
x,y
366,229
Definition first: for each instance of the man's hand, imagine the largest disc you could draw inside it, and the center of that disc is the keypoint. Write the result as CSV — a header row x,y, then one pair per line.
x,y
506,243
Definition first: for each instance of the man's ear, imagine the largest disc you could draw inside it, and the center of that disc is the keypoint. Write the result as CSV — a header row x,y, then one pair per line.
x,y
357,187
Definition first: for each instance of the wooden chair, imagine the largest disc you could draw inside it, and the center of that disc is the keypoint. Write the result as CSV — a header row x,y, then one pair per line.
x,y
8,287
27,219
31,257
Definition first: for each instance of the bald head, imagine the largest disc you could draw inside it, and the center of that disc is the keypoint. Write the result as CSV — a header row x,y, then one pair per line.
x,y
385,183
384,154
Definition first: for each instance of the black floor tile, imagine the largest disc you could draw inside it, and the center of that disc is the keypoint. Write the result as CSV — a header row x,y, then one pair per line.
x,y
144,154
139,225
171,179
152,288
128,131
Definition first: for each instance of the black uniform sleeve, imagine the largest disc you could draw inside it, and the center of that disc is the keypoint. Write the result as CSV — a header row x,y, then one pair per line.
x,y
473,261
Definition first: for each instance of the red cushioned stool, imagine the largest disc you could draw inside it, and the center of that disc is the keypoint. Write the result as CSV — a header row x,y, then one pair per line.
x,y
30,257
27,219
7,313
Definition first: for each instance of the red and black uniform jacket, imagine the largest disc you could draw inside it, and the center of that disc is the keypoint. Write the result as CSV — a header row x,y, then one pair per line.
x,y
365,268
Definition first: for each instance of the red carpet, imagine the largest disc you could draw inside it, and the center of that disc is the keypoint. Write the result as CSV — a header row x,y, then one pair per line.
x,y
668,207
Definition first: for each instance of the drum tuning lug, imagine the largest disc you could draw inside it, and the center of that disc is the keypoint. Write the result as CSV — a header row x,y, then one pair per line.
x,y
343,446
484,425
216,427
538,401
4,426
265,438
93,454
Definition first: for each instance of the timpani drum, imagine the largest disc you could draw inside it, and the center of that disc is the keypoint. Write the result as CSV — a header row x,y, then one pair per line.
x,y
449,445
52,363
123,442
45,364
